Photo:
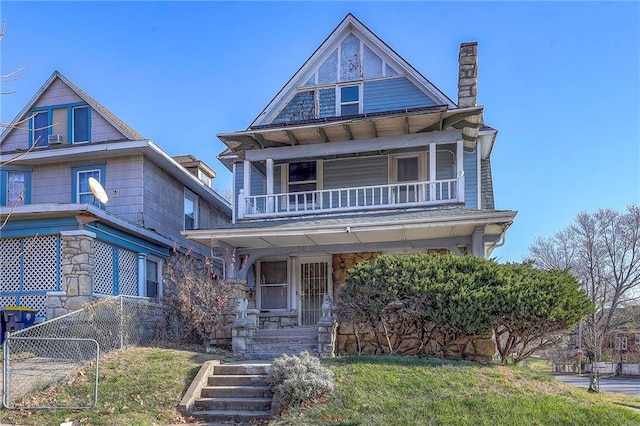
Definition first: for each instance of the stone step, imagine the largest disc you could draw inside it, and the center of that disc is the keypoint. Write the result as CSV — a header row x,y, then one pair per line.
x,y
234,404
256,355
237,380
261,391
287,333
240,416
242,369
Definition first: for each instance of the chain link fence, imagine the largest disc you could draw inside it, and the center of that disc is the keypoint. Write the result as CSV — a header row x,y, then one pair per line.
x,y
67,349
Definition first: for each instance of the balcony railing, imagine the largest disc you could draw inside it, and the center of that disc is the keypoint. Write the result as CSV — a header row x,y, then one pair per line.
x,y
350,199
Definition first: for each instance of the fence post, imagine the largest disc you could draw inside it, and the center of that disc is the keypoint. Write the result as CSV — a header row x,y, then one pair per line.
x,y
121,322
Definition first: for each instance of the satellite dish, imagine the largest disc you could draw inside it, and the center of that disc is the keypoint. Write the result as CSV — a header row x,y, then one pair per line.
x,y
98,191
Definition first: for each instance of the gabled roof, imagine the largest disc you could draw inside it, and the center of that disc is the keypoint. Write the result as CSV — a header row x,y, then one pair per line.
x,y
120,125
350,24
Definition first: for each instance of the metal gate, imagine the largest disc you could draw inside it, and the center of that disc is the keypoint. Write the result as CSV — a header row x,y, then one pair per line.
x,y
314,283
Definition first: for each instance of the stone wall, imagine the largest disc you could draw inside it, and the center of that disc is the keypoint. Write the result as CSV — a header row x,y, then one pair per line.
x,y
273,320
77,267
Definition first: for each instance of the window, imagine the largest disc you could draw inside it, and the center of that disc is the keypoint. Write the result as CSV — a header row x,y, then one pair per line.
x,y
152,279
637,339
80,190
349,100
80,124
408,168
190,210
303,177
274,285
15,187
40,128
623,341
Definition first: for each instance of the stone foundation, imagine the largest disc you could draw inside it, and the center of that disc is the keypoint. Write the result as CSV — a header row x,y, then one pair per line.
x,y
274,320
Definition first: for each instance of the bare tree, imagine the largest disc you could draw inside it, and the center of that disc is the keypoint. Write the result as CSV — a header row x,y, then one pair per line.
x,y
602,251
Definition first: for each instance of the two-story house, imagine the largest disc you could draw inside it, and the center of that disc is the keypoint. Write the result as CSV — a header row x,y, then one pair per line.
x,y
59,245
358,154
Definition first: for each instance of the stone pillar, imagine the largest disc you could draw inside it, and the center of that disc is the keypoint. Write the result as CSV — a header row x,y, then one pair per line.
x,y
242,332
327,327
468,74
78,262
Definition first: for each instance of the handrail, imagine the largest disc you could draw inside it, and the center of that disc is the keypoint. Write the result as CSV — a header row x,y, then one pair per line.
x,y
405,194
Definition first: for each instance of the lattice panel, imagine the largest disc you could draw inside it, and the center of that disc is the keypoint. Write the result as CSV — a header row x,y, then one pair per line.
x,y
35,301
40,258
7,301
103,277
128,266
10,261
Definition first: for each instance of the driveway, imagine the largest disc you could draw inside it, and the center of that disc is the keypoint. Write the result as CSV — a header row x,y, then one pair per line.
x,y
626,385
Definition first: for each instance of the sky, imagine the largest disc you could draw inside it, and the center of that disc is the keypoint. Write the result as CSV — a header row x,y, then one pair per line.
x,y
559,80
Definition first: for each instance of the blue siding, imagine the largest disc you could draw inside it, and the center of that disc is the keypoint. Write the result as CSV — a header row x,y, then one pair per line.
x,y
393,94
301,107
238,184
471,179
327,103
353,172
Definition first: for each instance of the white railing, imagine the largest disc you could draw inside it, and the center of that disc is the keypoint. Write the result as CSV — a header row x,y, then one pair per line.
x,y
350,199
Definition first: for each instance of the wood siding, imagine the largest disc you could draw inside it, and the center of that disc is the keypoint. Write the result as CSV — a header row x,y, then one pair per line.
x,y
393,94
354,172
471,179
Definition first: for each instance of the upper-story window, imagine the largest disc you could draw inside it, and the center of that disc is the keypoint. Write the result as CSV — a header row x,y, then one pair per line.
x,y
81,191
60,124
80,124
350,100
40,128
15,187
190,210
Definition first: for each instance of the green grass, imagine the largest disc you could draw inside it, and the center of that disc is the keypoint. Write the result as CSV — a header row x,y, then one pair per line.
x,y
411,391
143,386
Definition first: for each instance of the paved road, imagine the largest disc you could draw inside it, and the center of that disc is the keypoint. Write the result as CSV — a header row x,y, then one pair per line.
x,y
627,385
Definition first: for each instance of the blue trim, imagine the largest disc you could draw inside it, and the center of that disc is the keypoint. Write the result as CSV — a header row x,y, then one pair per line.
x,y
127,241
49,109
4,181
23,293
33,227
101,167
116,270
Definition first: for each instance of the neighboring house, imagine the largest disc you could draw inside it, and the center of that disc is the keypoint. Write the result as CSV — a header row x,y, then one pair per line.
x,y
60,246
358,154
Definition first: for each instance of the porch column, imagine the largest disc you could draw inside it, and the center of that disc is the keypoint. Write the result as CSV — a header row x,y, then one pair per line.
x,y
142,274
477,242
270,200
460,170
432,172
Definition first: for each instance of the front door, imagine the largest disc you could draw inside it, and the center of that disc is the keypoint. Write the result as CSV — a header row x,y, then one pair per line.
x,y
315,281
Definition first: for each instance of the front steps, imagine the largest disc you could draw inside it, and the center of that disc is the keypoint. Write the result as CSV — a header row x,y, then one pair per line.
x,y
230,392
269,344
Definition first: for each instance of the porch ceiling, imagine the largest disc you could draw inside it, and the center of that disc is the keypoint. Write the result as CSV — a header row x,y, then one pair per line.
x,y
338,129
379,228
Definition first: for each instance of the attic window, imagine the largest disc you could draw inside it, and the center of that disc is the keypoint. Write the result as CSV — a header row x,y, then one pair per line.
x,y
80,124
40,128
349,100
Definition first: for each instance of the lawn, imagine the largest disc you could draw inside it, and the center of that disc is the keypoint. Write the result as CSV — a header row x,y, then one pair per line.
x,y
143,386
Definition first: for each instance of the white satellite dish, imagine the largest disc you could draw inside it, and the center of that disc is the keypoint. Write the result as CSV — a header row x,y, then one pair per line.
x,y
98,191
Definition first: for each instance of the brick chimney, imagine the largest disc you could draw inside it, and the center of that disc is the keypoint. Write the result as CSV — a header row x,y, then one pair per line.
x,y
468,74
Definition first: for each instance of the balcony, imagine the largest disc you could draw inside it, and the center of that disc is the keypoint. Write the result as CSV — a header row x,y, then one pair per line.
x,y
364,198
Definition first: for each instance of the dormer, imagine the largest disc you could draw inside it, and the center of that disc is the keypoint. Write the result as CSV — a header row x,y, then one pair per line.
x,y
198,168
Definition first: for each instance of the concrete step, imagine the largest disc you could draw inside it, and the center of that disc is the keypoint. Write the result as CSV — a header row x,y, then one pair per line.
x,y
242,369
237,380
234,404
263,391
240,416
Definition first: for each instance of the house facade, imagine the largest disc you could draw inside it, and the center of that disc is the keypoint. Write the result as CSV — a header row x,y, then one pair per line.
x,y
59,245
357,155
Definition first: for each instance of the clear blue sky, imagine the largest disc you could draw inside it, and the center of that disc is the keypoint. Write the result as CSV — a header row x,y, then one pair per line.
x,y
559,80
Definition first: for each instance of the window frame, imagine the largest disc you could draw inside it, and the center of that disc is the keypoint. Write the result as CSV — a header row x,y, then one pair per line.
x,y
36,130
193,198
75,182
4,185
72,123
156,265
340,103
422,166
261,284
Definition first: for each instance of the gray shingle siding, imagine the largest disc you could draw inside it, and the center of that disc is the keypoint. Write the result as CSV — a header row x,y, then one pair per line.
x,y
486,182
301,107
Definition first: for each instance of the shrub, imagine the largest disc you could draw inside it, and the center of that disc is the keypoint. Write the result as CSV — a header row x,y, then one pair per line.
x,y
299,379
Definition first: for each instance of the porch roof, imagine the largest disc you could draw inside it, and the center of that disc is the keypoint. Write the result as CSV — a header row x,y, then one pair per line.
x,y
357,127
360,228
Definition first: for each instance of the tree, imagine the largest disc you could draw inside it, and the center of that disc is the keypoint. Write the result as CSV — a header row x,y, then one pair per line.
x,y
533,306
602,251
